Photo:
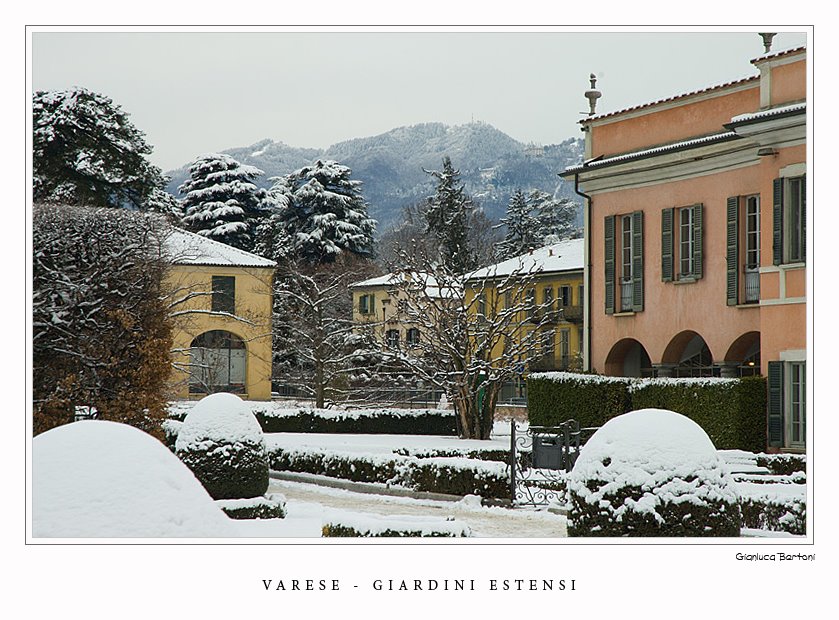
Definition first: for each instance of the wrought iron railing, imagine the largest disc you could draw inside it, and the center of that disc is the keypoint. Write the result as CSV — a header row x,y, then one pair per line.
x,y
626,295
752,286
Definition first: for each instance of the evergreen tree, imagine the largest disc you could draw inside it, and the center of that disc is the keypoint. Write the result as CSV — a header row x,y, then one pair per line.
x,y
221,201
523,228
85,151
556,218
271,239
325,214
447,217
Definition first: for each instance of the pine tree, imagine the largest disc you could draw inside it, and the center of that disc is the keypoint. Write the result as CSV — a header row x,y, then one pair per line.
x,y
326,215
221,201
556,218
85,151
271,239
523,228
447,218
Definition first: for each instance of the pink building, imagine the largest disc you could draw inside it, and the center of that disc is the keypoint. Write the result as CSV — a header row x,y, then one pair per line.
x,y
695,237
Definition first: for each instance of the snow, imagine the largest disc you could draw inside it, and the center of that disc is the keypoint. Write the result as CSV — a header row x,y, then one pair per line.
x,y
378,444
665,453
103,479
563,256
372,524
222,418
795,107
186,248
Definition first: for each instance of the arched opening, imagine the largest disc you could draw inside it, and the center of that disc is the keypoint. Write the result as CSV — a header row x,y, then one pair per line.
x,y
688,355
628,358
217,361
745,351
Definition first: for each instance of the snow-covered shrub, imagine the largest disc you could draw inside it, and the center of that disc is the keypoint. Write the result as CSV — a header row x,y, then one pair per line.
x,y
171,428
777,513
651,472
104,479
399,526
271,506
223,445
783,464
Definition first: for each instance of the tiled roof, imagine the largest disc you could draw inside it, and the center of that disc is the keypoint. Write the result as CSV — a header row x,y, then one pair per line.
x,y
779,54
675,146
186,248
673,98
751,117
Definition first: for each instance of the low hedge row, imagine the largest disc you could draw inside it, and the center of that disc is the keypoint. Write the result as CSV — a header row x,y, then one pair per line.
x,y
273,418
777,514
338,530
454,476
271,506
731,411
494,454
783,464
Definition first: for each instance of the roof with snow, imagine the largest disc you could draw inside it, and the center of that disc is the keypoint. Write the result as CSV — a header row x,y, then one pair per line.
x,y
773,55
753,117
397,278
186,248
558,257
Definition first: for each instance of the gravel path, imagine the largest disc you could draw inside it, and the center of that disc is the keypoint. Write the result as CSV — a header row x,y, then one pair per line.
x,y
311,501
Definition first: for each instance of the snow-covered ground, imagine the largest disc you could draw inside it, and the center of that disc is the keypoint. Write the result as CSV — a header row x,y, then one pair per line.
x,y
310,507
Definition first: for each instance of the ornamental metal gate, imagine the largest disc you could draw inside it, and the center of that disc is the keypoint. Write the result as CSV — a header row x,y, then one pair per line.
x,y
539,458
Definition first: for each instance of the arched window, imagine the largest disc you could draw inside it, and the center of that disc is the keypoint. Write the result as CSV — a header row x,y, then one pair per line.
x,y
217,363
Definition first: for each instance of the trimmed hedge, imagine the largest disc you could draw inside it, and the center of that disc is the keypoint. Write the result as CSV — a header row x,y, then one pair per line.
x,y
731,411
592,400
453,476
339,530
273,418
783,464
777,514
271,506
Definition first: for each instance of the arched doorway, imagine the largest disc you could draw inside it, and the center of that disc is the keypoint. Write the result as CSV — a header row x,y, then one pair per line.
x,y
688,355
745,353
628,358
217,361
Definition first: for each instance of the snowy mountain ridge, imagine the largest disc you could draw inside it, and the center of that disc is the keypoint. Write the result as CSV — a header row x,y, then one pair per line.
x,y
391,165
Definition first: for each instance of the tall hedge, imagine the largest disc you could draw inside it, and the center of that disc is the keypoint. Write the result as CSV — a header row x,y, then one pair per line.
x,y
592,400
732,412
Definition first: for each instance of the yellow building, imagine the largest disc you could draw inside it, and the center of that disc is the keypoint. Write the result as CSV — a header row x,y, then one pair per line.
x,y
545,288
379,304
221,301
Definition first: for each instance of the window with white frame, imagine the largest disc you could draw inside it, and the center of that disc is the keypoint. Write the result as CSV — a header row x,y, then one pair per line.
x,y
789,213
796,229
796,405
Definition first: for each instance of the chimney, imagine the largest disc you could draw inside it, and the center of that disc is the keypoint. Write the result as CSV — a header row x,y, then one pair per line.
x,y
767,40
592,94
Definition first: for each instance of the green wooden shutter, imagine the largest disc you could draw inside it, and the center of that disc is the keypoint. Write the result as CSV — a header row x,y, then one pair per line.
x,y
697,240
804,219
732,258
637,261
775,405
609,260
373,303
777,221
667,245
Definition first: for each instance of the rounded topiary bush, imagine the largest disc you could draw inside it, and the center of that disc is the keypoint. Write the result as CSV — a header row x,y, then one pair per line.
x,y
223,445
651,472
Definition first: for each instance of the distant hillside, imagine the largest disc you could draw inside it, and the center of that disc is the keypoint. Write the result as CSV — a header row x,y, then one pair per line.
x,y
492,164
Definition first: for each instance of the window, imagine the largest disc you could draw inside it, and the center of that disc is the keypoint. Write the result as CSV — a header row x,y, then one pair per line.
x,y
412,337
392,338
743,250
789,212
530,303
564,347
565,295
367,304
581,294
224,294
217,363
548,299
787,404
482,306
624,257
681,243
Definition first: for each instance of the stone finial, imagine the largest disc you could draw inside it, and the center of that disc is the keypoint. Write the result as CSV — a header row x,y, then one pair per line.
x,y
592,94
767,40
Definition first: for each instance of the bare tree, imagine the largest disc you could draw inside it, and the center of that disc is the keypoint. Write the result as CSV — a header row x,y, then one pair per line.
x,y
478,332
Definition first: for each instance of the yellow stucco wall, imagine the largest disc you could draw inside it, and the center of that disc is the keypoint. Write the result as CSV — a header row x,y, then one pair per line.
x,y
385,315
252,321
521,327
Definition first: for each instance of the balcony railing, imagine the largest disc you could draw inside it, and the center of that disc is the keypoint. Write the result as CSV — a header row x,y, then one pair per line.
x,y
752,286
572,314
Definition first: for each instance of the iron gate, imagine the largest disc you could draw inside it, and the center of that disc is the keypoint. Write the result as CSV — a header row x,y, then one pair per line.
x,y
539,458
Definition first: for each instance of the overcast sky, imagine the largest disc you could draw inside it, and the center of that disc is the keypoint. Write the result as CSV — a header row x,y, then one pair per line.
x,y
199,92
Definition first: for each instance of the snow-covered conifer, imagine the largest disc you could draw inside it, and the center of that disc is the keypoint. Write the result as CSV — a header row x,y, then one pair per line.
x,y
555,217
447,216
221,201
85,151
523,230
326,214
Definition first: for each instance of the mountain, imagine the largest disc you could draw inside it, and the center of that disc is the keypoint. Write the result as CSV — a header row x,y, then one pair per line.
x,y
492,165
